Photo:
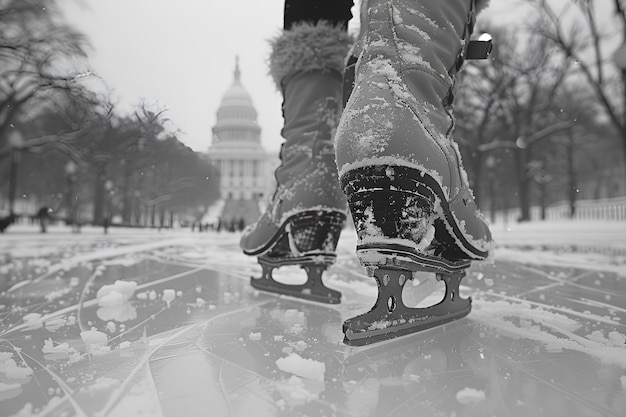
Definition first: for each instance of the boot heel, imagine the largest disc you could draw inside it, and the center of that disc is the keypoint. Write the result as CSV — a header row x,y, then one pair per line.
x,y
390,207
315,231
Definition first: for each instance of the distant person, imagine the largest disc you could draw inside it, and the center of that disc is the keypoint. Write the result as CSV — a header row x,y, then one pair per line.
x,y
106,222
76,226
43,215
5,222
242,224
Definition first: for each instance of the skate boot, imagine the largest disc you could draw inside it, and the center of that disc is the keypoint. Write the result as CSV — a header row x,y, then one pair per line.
x,y
306,214
401,170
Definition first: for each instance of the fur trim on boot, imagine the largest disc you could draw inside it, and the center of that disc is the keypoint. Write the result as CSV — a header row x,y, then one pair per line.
x,y
307,47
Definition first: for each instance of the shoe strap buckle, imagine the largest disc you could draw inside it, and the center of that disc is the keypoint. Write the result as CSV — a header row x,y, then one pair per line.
x,y
479,49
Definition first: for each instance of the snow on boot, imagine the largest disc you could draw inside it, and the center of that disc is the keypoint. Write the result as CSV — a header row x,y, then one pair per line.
x,y
401,170
304,218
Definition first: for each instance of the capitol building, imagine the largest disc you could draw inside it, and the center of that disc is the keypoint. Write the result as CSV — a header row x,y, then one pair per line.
x,y
246,168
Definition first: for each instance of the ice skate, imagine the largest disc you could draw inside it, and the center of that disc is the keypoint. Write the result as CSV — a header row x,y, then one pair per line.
x,y
308,240
401,170
306,214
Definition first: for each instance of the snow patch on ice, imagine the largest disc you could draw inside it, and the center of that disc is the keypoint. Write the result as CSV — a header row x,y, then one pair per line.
x,y
10,369
522,320
102,383
116,294
4,387
33,321
592,261
55,324
305,368
296,391
470,396
50,348
125,250
96,341
168,296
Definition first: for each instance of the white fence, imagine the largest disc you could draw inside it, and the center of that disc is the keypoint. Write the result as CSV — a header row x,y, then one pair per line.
x,y
608,209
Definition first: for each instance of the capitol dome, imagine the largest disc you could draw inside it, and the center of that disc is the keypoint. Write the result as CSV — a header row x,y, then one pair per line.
x,y
236,116
245,167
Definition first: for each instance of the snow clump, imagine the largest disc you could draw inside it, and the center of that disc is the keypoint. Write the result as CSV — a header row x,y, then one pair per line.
x,y
50,348
96,341
168,296
116,294
305,368
470,396
10,369
296,391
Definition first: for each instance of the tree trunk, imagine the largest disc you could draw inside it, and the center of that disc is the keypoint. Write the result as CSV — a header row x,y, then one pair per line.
x,y
622,127
153,216
543,195
15,160
99,197
523,184
492,199
524,199
623,131
161,217
571,174
126,197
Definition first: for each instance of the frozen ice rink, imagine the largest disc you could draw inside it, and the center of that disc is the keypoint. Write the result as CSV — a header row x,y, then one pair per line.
x,y
165,323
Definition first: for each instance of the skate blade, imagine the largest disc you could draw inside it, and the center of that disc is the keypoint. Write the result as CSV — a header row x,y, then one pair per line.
x,y
394,331
297,291
313,289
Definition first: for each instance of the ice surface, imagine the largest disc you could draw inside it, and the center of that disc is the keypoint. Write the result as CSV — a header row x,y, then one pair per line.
x,y
544,322
8,386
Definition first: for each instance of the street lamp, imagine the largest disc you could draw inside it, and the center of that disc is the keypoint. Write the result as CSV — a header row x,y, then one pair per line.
x,y
16,143
70,170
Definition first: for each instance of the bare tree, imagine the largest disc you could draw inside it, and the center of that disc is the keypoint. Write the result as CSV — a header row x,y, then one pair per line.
x,y
583,39
35,47
504,105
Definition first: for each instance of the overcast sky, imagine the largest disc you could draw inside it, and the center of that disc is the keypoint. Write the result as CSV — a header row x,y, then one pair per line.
x,y
181,55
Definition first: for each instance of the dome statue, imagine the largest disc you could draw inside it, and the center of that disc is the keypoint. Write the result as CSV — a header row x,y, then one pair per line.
x,y
245,167
236,116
